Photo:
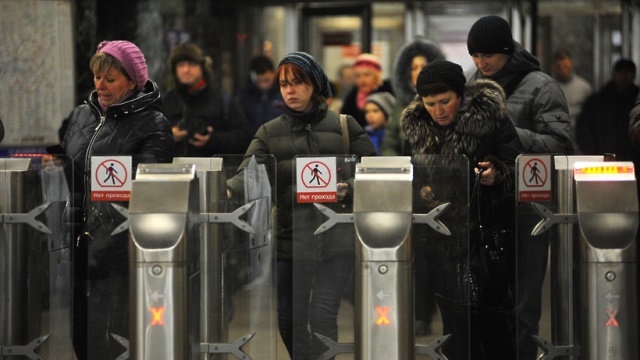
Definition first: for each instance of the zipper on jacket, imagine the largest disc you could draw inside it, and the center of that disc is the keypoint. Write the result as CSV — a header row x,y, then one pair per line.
x,y
87,161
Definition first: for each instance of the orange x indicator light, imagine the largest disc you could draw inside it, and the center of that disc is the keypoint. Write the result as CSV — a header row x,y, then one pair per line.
x,y
382,315
156,313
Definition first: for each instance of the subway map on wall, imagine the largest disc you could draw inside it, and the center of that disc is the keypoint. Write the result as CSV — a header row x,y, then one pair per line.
x,y
36,70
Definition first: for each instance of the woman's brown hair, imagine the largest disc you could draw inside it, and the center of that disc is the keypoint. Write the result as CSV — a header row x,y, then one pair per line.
x,y
291,71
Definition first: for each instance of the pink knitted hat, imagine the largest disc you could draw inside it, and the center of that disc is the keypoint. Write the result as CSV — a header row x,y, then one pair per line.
x,y
131,58
368,61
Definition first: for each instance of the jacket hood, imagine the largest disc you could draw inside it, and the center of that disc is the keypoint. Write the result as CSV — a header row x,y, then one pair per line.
x,y
483,110
401,82
147,98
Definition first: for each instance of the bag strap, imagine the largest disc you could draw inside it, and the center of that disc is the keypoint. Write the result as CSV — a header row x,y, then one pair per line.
x,y
345,133
475,196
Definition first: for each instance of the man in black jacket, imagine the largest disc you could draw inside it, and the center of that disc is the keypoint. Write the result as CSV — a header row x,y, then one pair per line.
x,y
205,120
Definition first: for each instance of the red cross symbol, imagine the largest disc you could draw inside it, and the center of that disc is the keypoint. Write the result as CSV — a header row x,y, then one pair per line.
x,y
157,312
612,317
382,318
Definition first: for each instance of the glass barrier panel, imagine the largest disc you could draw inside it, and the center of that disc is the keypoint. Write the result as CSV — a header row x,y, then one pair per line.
x,y
36,256
445,283
315,262
249,255
539,193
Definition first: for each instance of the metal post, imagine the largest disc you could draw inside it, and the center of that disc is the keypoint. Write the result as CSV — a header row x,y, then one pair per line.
x,y
607,206
163,243
214,327
384,267
13,192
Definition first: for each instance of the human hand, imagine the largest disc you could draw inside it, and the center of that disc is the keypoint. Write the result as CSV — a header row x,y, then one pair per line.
x,y
487,173
200,140
343,190
179,134
428,197
46,159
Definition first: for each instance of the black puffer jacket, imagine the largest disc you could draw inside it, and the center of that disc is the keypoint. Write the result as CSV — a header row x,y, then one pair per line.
x,y
134,127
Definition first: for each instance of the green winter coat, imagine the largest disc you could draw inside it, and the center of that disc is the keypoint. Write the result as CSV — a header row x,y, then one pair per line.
x,y
285,137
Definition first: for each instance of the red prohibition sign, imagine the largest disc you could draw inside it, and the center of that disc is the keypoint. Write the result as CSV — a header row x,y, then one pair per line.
x,y
320,175
111,174
533,177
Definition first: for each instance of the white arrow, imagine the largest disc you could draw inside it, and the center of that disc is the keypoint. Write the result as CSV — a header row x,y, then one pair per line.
x,y
155,296
610,296
381,295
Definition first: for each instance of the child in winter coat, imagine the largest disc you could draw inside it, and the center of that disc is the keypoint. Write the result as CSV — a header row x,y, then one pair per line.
x,y
378,109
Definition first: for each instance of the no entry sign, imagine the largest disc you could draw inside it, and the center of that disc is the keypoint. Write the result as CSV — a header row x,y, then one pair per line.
x,y
316,179
111,178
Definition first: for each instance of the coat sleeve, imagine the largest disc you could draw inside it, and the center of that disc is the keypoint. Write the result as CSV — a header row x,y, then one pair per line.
x,y
551,124
158,139
586,136
259,147
235,138
634,124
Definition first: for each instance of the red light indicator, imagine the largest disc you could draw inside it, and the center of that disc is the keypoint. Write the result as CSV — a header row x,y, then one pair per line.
x,y
156,313
612,317
382,315
605,170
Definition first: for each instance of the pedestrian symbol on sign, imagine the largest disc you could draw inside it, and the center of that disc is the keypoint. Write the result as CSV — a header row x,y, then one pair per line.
x,y
537,173
110,172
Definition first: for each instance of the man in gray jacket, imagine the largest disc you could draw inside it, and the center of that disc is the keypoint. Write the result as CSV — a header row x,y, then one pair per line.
x,y
537,107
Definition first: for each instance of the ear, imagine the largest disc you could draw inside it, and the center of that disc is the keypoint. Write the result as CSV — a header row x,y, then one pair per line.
x,y
132,85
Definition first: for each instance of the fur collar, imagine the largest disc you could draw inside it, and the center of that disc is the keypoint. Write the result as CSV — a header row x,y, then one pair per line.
x,y
483,110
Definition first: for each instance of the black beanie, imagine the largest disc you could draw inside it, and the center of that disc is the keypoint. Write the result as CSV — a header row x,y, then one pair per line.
x,y
310,66
490,35
443,72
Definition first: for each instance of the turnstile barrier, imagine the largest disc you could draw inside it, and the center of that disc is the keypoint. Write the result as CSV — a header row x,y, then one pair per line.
x,y
324,254
163,247
384,267
35,259
607,208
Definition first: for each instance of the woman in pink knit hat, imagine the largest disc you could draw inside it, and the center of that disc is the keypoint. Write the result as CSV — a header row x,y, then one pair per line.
x,y
121,117
368,73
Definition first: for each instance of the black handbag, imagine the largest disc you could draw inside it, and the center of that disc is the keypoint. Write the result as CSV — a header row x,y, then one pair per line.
x,y
490,261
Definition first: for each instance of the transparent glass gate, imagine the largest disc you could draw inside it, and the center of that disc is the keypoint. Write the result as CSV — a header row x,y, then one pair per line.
x,y
35,258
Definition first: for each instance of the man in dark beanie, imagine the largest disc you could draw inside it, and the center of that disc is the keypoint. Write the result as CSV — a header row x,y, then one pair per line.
x,y
537,107
205,120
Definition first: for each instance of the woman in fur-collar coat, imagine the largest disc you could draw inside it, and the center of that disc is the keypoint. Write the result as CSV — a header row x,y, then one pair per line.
x,y
451,119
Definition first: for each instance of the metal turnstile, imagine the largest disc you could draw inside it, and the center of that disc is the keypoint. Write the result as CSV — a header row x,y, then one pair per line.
x,y
163,247
607,208
384,271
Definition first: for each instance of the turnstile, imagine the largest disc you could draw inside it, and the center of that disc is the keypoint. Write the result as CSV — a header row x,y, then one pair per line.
x,y
383,272
607,208
163,243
